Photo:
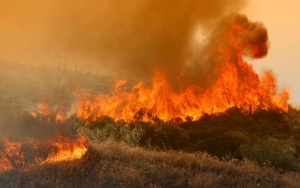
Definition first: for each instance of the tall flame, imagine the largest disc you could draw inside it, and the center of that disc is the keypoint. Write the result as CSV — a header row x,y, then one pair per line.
x,y
231,82
159,101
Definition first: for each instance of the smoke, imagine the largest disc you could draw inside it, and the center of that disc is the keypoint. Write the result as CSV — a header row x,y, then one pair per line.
x,y
233,38
130,39
124,38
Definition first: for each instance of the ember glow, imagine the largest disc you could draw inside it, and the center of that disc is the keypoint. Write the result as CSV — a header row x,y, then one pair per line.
x,y
23,156
230,82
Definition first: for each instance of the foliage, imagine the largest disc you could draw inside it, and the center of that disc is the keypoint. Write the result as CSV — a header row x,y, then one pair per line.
x,y
271,151
221,135
165,136
221,143
106,128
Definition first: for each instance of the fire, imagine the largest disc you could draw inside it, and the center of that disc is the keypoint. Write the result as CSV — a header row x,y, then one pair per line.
x,y
33,114
24,155
5,164
11,150
57,115
44,109
230,83
159,101
14,155
65,149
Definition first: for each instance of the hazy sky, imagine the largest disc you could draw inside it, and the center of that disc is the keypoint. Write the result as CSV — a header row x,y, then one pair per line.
x,y
24,26
281,18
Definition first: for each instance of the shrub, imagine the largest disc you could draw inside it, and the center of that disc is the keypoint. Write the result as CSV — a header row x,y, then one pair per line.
x,y
169,135
105,128
273,152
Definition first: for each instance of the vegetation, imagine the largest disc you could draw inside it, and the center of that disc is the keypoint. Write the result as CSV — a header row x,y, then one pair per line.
x,y
110,165
230,149
106,128
280,154
265,137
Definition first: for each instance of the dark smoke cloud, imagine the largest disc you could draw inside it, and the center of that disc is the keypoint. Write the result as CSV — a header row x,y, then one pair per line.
x,y
128,38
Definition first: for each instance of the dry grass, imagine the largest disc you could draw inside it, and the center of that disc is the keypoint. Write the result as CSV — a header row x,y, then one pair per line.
x,y
115,165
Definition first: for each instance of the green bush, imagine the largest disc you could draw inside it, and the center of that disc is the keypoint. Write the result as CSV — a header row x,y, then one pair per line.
x,y
164,135
273,152
105,128
221,142
169,136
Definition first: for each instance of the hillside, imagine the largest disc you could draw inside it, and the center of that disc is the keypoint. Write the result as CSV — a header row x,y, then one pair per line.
x,y
226,149
117,165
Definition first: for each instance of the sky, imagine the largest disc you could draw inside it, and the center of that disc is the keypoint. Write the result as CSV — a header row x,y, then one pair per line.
x,y
281,18
34,31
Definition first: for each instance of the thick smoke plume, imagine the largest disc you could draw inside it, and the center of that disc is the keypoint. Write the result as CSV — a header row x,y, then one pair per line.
x,y
130,39
233,38
127,38
227,82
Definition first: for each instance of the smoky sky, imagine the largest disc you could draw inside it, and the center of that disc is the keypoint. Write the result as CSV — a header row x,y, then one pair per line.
x,y
125,38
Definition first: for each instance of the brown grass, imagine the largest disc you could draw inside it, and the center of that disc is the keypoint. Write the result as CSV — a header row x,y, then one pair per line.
x,y
115,165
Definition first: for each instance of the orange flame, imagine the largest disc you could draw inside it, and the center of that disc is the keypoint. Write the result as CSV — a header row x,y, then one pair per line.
x,y
33,114
158,101
11,150
63,149
230,83
44,109
66,149
57,115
